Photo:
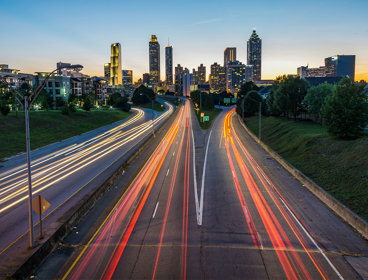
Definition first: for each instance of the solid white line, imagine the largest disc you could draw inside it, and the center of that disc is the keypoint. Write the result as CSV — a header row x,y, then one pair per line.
x,y
203,179
154,212
195,179
167,173
173,153
313,241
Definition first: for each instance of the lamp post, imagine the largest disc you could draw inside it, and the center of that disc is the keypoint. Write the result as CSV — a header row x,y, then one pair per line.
x,y
28,102
153,130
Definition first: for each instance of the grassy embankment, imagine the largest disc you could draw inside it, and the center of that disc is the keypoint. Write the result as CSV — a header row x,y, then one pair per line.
x,y
174,101
50,126
156,106
211,113
338,166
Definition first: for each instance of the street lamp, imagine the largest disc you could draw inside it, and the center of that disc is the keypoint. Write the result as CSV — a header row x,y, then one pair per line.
x,y
28,102
143,93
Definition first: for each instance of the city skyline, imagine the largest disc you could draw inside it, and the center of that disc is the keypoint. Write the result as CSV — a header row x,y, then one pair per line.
x,y
289,38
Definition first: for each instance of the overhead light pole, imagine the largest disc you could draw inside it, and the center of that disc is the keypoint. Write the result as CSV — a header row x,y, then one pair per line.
x,y
28,102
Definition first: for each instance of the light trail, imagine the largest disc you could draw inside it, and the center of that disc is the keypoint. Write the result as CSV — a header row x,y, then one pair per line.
x,y
289,259
62,168
131,202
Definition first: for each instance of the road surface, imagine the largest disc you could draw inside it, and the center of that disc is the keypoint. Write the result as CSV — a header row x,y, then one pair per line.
x,y
236,215
65,172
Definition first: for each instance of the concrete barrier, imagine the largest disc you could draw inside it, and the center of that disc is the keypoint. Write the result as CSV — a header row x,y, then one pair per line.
x,y
74,215
337,207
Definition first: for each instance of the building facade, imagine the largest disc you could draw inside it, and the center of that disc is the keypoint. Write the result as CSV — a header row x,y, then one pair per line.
x,y
201,74
154,60
306,72
254,55
116,77
107,69
229,55
217,78
236,75
169,65
340,66
127,77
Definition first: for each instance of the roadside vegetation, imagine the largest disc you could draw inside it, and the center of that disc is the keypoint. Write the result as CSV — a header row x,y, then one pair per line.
x,y
208,108
319,129
174,101
47,127
143,96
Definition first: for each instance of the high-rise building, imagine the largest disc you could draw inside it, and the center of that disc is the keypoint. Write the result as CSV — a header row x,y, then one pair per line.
x,y
146,78
195,77
169,65
229,55
340,66
217,78
183,81
236,75
154,60
127,77
201,74
116,77
178,70
107,69
254,55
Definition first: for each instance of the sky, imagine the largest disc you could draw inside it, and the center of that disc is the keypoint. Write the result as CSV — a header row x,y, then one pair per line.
x,y
37,34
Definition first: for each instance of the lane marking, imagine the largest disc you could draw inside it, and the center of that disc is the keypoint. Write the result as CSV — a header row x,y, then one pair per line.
x,y
203,179
173,153
195,179
154,212
167,173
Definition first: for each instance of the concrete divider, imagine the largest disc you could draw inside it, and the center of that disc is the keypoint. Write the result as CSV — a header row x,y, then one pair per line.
x,y
337,207
75,214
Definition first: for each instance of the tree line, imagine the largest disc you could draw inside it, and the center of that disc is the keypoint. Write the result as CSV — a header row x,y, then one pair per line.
x,y
343,107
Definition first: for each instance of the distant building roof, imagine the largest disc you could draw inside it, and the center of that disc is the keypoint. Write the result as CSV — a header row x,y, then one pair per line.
x,y
315,81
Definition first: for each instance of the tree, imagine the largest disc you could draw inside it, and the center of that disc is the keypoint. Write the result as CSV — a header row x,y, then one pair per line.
x,y
289,95
87,105
45,100
5,109
245,88
345,112
143,95
251,102
60,102
315,98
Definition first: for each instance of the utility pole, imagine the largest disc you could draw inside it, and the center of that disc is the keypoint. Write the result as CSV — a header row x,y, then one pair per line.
x,y
30,197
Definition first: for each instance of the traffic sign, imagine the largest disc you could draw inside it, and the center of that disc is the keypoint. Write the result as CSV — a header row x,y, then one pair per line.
x,y
227,100
202,114
206,118
40,205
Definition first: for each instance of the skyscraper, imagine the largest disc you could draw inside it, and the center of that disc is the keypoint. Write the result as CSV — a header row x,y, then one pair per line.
x,y
254,55
116,77
237,74
169,65
229,55
217,78
340,66
107,69
154,60
201,74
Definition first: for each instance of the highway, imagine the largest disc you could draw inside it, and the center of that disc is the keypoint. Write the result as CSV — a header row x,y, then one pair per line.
x,y
63,175
235,215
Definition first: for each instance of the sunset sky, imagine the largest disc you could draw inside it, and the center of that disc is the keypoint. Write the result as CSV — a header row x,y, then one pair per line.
x,y
37,34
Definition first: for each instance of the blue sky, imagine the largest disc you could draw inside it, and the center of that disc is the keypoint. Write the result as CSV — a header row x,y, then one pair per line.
x,y
37,34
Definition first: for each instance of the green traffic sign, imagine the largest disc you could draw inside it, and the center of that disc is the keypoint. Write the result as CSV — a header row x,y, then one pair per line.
x,y
206,118
227,100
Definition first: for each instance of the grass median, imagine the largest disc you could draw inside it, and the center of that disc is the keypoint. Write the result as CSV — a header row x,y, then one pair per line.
x,y
212,114
338,166
47,127
174,101
156,106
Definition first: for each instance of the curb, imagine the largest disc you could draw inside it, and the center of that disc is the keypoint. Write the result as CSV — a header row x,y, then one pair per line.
x,y
73,216
336,206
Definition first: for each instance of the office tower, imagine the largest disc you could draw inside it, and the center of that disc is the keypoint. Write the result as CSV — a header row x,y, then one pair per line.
x,y
154,60
178,69
146,78
236,75
127,77
107,67
116,77
183,81
195,77
340,66
217,78
169,65
254,55
201,74
229,55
